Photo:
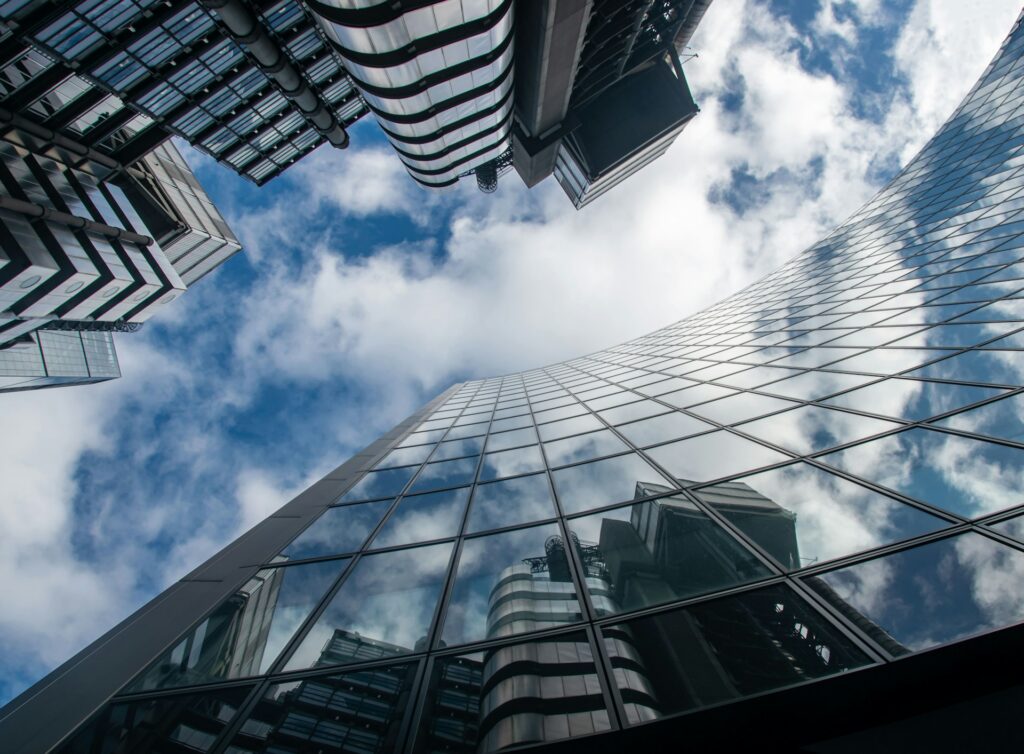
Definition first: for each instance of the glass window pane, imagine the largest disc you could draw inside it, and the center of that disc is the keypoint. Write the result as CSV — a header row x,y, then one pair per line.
x,y
1002,419
671,426
613,480
936,593
964,476
583,447
244,635
512,439
449,449
567,427
379,484
511,462
740,406
134,726
632,411
436,476
405,456
513,501
724,649
802,515
515,694
351,712
711,456
811,428
509,583
659,551
420,518
337,530
913,400
388,600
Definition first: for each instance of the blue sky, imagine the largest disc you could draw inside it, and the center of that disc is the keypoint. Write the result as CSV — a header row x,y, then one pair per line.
x,y
359,297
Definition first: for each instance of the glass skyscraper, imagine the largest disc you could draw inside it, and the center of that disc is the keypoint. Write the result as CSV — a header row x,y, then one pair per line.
x,y
792,517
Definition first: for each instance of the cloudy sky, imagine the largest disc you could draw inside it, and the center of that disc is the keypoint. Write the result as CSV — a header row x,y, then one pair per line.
x,y
359,297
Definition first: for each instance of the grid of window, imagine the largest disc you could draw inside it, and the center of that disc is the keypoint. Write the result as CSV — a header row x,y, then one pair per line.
x,y
821,473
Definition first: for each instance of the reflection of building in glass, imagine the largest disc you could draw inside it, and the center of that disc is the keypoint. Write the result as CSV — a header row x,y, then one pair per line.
x,y
830,561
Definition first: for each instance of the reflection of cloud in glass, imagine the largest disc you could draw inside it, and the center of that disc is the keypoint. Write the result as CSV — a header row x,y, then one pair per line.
x,y
435,476
711,456
511,462
1003,419
420,518
338,530
378,484
833,517
814,385
936,593
568,427
513,501
511,439
671,426
811,428
967,477
583,447
613,480
388,597
740,406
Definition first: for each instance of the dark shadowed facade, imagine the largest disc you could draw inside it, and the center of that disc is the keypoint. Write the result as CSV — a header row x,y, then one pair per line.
x,y
793,518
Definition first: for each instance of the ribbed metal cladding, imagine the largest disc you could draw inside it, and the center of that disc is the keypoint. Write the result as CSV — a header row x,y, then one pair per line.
x,y
437,75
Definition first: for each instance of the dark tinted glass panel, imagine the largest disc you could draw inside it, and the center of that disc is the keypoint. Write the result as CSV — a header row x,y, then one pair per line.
x,y
724,649
512,695
245,634
514,501
347,712
509,583
932,594
420,518
338,530
658,551
714,455
379,484
168,725
964,476
802,515
599,483
386,603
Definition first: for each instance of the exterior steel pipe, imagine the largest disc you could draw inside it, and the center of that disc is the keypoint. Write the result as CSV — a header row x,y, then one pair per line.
x,y
247,31
37,211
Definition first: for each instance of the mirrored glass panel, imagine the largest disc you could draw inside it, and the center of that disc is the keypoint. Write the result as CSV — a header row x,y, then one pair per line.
x,y
724,649
513,501
512,695
167,725
359,711
405,456
337,530
566,427
1001,419
658,551
421,518
507,463
387,603
912,400
471,446
511,439
510,583
932,594
379,484
599,483
811,428
741,406
957,474
671,426
436,476
801,515
583,447
245,634
713,455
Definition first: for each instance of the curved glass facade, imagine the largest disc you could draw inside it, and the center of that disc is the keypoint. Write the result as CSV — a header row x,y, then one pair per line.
x,y
818,477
